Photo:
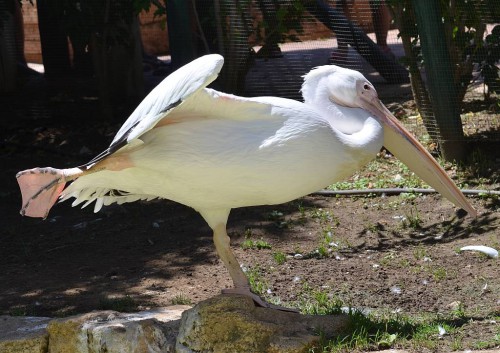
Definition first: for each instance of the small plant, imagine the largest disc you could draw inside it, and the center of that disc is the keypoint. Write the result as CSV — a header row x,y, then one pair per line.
x,y
374,227
255,244
322,251
420,252
458,311
29,310
412,220
319,303
323,216
302,214
181,299
279,219
279,257
388,259
122,304
456,343
439,273
258,284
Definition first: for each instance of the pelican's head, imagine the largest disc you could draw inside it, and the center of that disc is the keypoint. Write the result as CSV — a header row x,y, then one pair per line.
x,y
334,85
342,86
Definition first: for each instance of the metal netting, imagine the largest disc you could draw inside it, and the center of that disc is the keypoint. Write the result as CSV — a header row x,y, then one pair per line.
x,y
270,44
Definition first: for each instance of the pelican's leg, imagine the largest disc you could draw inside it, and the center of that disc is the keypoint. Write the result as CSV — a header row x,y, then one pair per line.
x,y
240,280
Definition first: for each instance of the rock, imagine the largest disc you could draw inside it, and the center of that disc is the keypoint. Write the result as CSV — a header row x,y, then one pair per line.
x,y
108,331
230,323
22,334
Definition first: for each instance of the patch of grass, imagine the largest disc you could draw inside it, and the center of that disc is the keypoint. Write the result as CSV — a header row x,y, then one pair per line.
x,y
412,220
258,284
457,343
388,259
255,244
318,302
123,304
426,336
302,214
324,216
327,244
420,252
369,332
27,310
279,219
383,330
458,312
374,228
181,299
439,273
381,173
279,257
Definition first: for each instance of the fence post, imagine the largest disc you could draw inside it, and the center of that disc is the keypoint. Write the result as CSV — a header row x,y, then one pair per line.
x,y
439,71
179,32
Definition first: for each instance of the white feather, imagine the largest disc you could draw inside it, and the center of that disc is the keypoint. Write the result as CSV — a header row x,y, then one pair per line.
x,y
481,248
98,204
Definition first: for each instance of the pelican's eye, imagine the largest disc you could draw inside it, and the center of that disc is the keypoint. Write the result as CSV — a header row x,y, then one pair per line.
x,y
366,87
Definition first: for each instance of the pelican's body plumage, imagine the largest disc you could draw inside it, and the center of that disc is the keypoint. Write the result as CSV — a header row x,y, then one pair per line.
x,y
233,152
214,151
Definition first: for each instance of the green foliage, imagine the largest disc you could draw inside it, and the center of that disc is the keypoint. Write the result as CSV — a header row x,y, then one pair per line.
x,y
464,25
412,220
181,299
282,19
258,284
255,244
279,219
487,56
82,19
279,257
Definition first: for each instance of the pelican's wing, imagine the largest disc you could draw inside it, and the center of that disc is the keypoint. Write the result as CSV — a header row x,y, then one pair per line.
x,y
211,104
172,91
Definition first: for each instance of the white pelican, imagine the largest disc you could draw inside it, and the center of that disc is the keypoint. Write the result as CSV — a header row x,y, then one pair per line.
x,y
214,151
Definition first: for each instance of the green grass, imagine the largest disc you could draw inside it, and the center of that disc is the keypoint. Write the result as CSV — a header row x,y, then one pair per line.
x,y
181,299
255,244
258,283
28,310
381,173
279,257
279,219
378,330
420,253
122,304
412,220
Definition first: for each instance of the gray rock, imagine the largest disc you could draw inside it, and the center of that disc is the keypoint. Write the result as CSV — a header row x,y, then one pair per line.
x,y
229,323
221,324
151,331
22,334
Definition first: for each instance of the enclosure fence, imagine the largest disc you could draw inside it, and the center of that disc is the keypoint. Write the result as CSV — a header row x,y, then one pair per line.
x,y
269,45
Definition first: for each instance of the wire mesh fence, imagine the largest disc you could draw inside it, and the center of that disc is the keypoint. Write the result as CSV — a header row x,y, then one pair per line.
x,y
270,44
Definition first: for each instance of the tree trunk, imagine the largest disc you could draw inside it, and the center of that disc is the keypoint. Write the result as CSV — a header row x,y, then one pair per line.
x,y
440,82
388,68
53,41
232,38
405,20
118,67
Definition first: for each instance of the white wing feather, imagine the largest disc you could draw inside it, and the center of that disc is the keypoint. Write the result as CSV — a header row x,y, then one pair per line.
x,y
176,87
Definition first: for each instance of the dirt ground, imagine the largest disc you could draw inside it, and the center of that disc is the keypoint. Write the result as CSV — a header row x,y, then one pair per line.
x,y
155,253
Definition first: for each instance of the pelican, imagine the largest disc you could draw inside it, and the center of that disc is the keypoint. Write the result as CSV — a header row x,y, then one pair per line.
x,y
214,151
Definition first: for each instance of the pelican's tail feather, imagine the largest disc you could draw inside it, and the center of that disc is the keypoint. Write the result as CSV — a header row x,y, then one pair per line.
x,y
101,196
